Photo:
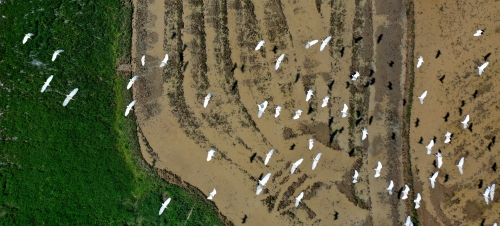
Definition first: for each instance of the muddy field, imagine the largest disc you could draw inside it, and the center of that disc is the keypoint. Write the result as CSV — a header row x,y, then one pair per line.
x,y
444,37
211,47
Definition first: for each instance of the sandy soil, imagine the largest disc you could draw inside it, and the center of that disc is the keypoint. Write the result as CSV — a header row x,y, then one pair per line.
x,y
211,47
455,89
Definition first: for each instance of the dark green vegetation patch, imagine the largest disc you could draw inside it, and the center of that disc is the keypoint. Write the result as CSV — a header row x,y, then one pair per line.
x,y
79,164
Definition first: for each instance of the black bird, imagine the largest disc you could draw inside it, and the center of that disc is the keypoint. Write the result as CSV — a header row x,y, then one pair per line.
x,y
438,54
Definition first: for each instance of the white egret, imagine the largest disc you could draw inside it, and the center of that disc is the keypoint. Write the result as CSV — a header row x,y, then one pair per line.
x,y
492,191
408,221
391,185
355,76
377,170
325,101
311,143
487,195
57,52
429,147
297,200
465,121
212,194
324,43
260,44
164,206
47,83
262,108
315,160
433,178
495,224
405,192
460,165
164,61
482,67
26,37
268,156
143,60
210,154
421,97
478,33
309,95
420,61
311,43
365,134
417,201
207,98
132,80
355,177
296,164
439,159
129,107
344,111
264,180
278,61
297,114
278,110
447,137
70,97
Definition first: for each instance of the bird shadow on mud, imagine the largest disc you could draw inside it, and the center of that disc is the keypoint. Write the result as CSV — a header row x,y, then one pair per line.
x,y
235,65
244,219
400,193
253,157
292,147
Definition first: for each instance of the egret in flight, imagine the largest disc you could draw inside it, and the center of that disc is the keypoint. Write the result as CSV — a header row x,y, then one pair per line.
x,y
129,107
439,159
47,83
260,44
420,61
487,195
408,221
26,37
324,43
311,143
311,43
315,160
421,97
405,192
132,80
482,67
278,61
268,156
417,201
492,191
56,53
262,107
355,76
296,164
461,165
377,170
278,110
297,114
309,95
465,121
207,98
429,147
478,33
391,185
264,180
164,206
210,154
212,194
433,178
325,101
70,97
297,200
365,134
143,60
355,177
447,137
164,61
344,111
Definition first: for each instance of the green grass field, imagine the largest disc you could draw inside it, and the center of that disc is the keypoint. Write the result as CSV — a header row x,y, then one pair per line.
x,y
80,164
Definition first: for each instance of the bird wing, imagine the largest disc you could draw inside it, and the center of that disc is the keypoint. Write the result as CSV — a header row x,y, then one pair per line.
x,y
260,114
311,43
379,166
267,159
266,178
165,59
298,162
278,62
300,196
318,156
131,104
143,60
293,168
356,174
297,201
323,45
435,175
66,101
259,189
492,192
282,56
26,37
345,108
206,102
49,79
432,183
460,169
127,111
315,162
54,55
72,94
162,209
391,185
134,78
440,161
130,83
